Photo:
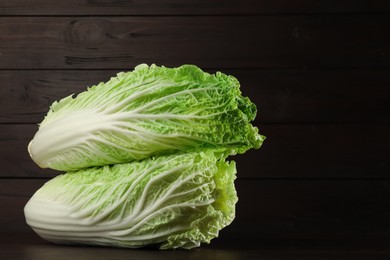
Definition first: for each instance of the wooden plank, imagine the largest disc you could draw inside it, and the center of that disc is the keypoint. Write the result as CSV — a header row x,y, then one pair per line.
x,y
27,95
307,211
14,155
319,151
290,151
296,41
278,212
177,7
323,96
14,194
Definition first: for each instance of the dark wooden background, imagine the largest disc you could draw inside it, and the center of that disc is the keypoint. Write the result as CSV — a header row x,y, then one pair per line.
x,y
319,72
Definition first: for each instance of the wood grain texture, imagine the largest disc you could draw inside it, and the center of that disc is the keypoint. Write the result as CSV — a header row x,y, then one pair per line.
x,y
282,96
177,7
291,151
321,41
333,211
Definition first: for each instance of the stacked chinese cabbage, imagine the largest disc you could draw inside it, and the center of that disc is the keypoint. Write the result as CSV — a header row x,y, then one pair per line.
x,y
146,159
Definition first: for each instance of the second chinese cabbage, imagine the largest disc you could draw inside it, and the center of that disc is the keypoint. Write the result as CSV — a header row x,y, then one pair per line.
x,y
174,201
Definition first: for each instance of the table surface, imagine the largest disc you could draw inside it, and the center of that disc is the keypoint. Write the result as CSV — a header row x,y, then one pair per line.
x,y
27,245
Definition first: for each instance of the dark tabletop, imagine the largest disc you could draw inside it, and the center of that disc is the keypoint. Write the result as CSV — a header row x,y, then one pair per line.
x,y
27,245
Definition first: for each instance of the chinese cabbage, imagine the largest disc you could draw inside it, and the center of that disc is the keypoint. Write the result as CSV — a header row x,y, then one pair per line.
x,y
149,111
174,201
